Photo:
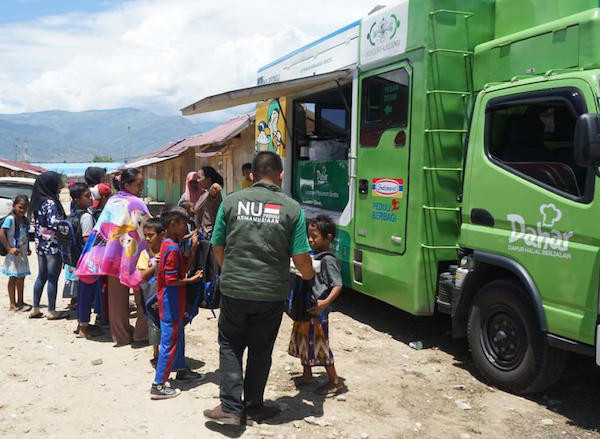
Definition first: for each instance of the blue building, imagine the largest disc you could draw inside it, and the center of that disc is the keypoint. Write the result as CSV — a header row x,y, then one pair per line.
x,y
78,169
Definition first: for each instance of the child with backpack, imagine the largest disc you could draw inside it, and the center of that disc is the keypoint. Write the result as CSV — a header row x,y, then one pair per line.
x,y
72,234
310,339
147,264
14,236
171,283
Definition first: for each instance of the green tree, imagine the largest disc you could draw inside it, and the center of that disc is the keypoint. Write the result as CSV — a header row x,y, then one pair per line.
x,y
102,158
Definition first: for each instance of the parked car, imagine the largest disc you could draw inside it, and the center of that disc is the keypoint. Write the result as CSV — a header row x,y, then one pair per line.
x,y
10,187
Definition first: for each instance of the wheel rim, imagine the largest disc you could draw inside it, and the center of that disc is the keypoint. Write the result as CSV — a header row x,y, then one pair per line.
x,y
503,337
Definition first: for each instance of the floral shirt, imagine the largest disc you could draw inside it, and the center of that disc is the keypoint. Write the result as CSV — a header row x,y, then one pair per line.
x,y
46,219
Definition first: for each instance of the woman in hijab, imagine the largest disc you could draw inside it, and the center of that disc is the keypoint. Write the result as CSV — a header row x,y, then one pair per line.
x,y
192,189
207,206
94,175
47,211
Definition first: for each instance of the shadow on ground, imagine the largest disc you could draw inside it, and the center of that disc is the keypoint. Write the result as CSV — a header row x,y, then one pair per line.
x,y
576,395
298,407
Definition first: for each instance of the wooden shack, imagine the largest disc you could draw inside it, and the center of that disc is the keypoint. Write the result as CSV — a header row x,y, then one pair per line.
x,y
9,168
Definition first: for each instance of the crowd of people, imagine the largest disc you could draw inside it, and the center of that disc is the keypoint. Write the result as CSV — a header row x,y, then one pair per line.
x,y
111,247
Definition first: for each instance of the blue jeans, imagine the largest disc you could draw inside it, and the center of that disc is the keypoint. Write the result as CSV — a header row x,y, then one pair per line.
x,y
49,267
86,293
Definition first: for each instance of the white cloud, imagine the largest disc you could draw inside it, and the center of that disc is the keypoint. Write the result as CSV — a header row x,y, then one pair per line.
x,y
155,54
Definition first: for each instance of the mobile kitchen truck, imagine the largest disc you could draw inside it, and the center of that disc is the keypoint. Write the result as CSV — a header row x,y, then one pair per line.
x,y
456,142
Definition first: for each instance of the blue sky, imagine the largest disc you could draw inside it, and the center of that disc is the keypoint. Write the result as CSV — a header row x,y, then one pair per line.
x,y
156,55
25,10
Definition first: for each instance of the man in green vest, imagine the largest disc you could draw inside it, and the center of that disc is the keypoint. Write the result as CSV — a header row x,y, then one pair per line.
x,y
256,232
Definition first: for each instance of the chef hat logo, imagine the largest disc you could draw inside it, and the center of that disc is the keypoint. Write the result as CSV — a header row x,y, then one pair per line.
x,y
550,214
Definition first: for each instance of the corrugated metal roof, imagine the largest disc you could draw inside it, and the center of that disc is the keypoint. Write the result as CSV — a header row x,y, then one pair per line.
x,y
148,161
221,133
20,166
217,135
164,151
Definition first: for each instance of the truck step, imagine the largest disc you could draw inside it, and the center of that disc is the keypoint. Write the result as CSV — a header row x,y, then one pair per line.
x,y
450,92
451,51
465,14
445,209
445,292
435,169
445,130
439,247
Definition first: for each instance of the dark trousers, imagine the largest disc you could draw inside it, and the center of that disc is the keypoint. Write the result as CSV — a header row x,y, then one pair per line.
x,y
85,295
246,324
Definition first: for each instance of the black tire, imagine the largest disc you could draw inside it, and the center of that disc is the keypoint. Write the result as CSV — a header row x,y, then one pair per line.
x,y
506,343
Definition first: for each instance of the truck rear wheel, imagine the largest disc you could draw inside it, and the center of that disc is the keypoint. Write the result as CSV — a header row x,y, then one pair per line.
x,y
505,341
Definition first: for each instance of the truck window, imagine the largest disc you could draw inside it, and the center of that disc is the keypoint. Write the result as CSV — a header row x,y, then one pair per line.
x,y
533,138
321,148
384,105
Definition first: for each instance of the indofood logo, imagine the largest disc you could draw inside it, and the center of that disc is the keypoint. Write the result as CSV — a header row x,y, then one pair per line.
x,y
545,239
383,30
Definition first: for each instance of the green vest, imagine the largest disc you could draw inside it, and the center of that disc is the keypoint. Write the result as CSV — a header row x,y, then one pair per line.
x,y
260,222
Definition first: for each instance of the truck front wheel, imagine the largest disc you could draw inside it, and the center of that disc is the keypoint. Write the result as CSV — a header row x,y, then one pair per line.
x,y
505,341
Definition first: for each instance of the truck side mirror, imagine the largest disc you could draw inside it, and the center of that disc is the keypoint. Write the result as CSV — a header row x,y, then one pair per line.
x,y
587,140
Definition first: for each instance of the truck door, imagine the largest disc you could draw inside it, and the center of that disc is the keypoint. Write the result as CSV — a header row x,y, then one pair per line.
x,y
382,158
526,199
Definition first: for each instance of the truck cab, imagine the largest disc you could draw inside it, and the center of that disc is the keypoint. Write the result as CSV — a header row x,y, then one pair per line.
x,y
528,237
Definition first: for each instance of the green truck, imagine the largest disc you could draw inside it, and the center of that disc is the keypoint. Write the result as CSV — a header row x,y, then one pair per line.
x,y
456,143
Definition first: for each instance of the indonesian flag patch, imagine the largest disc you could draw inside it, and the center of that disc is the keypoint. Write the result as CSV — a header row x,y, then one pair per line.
x,y
272,209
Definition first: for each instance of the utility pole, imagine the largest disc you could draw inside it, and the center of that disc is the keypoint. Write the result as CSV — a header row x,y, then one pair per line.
x,y
16,149
128,141
26,151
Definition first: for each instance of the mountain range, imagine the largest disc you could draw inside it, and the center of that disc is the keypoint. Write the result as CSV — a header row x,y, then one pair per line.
x,y
63,136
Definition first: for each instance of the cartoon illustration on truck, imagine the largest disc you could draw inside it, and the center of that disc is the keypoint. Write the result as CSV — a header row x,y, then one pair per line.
x,y
270,127
461,160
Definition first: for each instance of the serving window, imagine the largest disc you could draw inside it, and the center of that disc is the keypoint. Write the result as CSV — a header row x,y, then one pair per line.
x,y
321,147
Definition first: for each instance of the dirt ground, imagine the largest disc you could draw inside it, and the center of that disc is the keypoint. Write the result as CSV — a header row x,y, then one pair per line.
x,y
50,388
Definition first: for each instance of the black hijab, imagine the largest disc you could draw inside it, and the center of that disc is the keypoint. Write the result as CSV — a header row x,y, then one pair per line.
x,y
45,188
94,175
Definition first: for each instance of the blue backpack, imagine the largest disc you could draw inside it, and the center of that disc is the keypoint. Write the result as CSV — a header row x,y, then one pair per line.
x,y
4,250
69,237
150,302
207,293
301,297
